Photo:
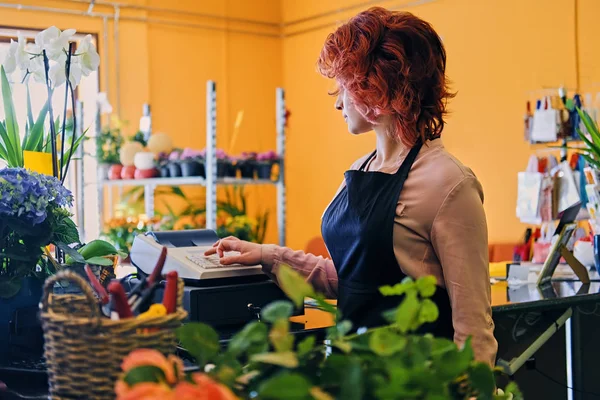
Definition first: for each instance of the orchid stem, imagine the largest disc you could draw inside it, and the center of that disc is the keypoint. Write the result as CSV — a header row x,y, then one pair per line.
x,y
64,125
51,113
69,85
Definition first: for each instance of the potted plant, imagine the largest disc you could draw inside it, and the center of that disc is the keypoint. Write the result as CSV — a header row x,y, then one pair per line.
x,y
192,163
265,361
224,164
247,165
162,164
173,164
108,146
265,162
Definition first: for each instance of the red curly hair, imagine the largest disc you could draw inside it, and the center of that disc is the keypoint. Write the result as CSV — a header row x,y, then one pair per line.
x,y
391,63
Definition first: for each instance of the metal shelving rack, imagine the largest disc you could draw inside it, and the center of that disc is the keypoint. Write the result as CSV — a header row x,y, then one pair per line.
x,y
211,181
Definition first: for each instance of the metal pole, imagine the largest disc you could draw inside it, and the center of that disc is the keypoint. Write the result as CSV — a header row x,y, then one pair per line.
x,y
117,61
80,175
211,159
100,178
105,72
281,202
569,357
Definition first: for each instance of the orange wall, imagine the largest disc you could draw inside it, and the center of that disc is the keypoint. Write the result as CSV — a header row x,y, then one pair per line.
x,y
498,51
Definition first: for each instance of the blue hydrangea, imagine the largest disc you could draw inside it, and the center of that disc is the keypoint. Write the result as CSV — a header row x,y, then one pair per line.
x,y
29,195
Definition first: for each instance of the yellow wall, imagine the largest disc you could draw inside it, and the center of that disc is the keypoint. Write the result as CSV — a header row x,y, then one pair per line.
x,y
498,51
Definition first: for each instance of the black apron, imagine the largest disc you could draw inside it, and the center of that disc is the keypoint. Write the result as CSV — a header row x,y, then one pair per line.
x,y
358,229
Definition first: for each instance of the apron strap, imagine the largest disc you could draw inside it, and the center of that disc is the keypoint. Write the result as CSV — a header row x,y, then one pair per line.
x,y
364,165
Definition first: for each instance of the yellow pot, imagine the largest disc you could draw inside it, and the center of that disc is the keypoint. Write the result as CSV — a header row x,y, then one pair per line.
x,y
38,162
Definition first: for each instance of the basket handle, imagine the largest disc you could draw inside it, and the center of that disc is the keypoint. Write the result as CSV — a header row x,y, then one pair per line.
x,y
71,276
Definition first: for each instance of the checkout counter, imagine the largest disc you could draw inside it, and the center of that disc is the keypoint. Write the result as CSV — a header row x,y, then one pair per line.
x,y
546,337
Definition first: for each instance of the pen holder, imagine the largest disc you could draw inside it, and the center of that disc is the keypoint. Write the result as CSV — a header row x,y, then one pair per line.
x,y
84,350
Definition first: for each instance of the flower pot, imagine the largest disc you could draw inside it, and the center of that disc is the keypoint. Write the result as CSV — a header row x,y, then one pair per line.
x,y
104,171
20,330
264,170
225,169
174,169
164,171
191,168
247,168
38,161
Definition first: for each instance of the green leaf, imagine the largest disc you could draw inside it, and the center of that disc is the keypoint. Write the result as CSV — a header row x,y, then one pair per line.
x,y
343,345
200,340
255,333
452,362
385,342
592,161
73,255
72,150
280,337
319,394
324,305
105,262
11,156
12,127
305,346
9,288
277,310
440,346
285,386
3,152
428,312
407,312
398,289
513,389
426,286
146,373
294,285
66,231
286,359
482,380
36,134
352,381
176,190
343,328
592,146
590,126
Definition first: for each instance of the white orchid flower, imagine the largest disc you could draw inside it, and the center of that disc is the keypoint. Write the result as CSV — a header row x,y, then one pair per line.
x,y
89,58
10,61
21,55
57,74
54,41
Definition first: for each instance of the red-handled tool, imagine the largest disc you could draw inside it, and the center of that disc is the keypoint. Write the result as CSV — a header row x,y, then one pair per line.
x,y
119,301
170,295
147,283
98,288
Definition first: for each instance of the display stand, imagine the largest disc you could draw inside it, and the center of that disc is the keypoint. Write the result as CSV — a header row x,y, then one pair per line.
x,y
211,181
559,249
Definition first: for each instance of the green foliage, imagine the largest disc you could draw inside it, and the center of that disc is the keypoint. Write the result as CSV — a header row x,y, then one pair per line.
x,y
592,153
390,362
108,145
35,138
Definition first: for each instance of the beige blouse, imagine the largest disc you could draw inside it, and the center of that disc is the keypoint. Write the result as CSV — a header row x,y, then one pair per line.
x,y
440,230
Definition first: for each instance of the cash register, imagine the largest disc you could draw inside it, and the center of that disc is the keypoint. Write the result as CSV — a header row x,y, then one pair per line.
x,y
215,294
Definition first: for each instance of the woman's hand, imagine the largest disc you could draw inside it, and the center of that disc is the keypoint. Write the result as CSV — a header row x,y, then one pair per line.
x,y
250,253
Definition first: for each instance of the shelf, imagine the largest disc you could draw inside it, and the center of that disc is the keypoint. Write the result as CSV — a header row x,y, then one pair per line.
x,y
182,181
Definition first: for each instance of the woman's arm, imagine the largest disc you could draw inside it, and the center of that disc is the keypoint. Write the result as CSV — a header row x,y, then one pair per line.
x,y
459,237
318,271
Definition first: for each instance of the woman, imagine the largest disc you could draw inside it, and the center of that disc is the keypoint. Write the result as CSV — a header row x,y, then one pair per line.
x,y
407,209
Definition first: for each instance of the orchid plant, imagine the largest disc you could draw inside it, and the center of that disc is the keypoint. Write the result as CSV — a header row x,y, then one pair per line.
x,y
52,60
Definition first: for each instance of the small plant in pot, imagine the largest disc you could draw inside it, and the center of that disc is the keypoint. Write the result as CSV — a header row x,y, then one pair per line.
x,y
173,164
247,165
264,164
162,164
224,164
192,163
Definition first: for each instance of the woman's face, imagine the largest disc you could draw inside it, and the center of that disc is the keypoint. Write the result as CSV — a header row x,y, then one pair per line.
x,y
357,124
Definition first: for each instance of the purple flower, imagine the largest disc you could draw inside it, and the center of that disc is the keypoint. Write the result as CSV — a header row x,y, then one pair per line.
x,y
30,196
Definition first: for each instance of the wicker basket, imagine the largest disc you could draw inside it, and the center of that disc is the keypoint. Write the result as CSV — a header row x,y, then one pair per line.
x,y
84,349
